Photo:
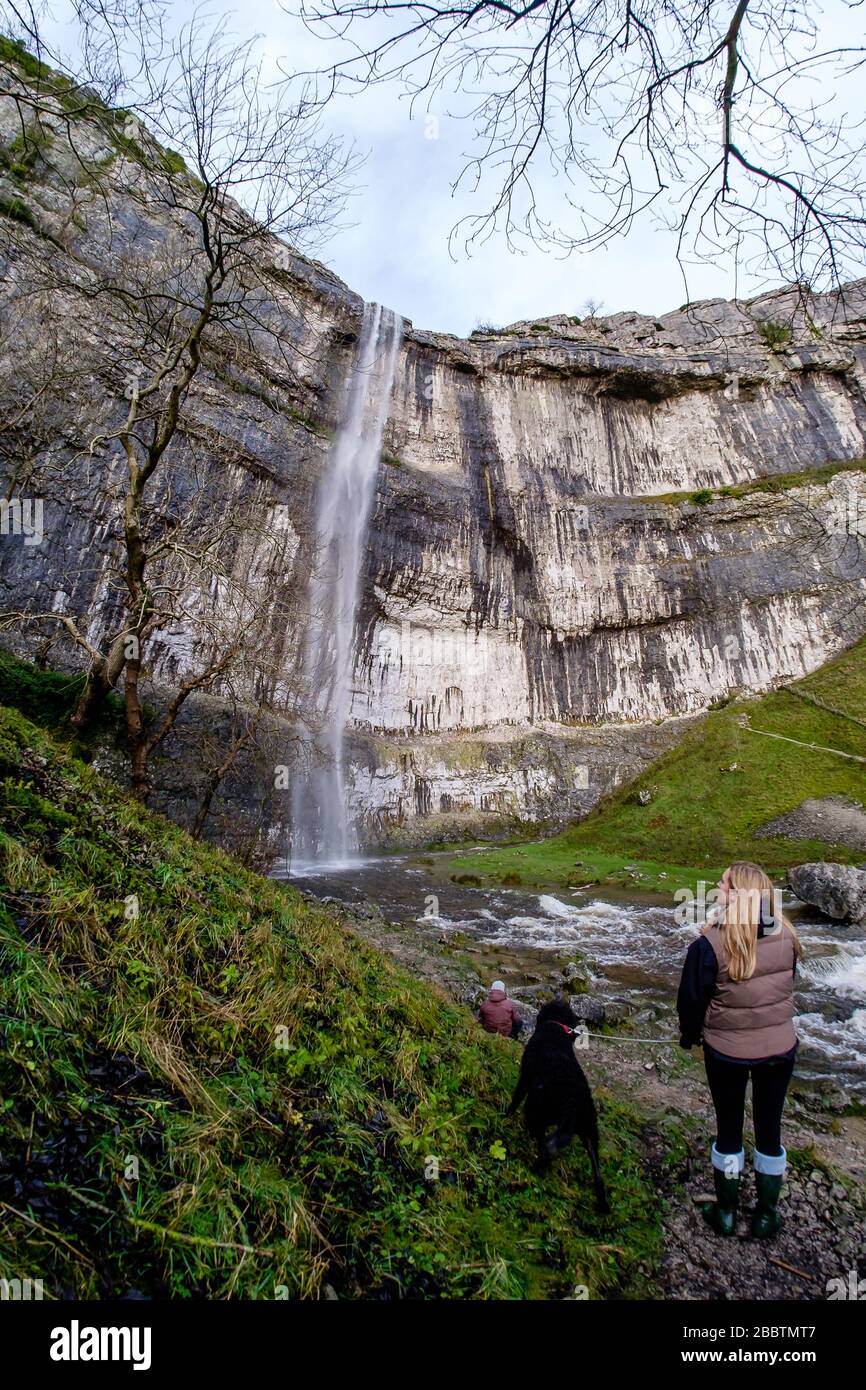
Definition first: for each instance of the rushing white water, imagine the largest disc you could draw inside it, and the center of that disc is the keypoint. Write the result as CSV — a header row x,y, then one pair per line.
x,y
320,823
843,972
632,952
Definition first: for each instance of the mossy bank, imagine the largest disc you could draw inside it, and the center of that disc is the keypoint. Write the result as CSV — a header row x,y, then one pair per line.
x,y
211,1089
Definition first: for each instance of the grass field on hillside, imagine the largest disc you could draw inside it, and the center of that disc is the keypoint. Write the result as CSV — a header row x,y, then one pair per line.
x,y
211,1089
710,794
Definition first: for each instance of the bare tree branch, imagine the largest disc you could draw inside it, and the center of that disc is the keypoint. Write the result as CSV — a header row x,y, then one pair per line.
x,y
732,123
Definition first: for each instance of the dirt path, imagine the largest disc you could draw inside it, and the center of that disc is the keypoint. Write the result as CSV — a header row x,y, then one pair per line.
x,y
823,1203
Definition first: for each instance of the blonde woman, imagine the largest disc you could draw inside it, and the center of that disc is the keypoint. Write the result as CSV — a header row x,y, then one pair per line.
x,y
737,995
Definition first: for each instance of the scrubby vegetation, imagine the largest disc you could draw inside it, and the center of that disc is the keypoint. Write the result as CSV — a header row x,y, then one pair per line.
x,y
701,805
772,333
16,55
46,697
76,100
211,1089
772,482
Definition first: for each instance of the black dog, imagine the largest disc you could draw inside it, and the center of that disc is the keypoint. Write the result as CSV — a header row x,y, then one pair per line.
x,y
557,1093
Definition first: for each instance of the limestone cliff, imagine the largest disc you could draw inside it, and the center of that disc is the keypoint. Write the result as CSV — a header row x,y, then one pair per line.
x,y
583,532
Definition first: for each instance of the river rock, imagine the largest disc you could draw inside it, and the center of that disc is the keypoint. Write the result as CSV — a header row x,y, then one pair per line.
x,y
473,996
574,976
587,1009
529,1014
829,1094
837,890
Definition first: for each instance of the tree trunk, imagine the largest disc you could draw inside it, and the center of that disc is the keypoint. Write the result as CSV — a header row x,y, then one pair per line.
x,y
136,741
139,606
217,776
91,697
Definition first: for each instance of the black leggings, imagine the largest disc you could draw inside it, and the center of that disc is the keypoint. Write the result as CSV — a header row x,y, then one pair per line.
x,y
728,1082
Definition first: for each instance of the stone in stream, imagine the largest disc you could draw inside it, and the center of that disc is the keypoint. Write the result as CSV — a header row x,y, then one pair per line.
x,y
574,976
837,890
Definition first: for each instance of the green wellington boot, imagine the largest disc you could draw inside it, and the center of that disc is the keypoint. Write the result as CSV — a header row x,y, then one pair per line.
x,y
722,1214
766,1220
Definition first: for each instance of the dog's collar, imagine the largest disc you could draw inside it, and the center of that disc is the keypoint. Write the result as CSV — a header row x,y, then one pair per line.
x,y
564,1026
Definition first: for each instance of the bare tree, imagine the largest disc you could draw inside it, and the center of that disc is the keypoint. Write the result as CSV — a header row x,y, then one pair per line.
x,y
166,307
732,122
245,728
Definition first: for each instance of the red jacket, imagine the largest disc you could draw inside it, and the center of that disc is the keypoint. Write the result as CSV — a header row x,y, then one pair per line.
x,y
499,1013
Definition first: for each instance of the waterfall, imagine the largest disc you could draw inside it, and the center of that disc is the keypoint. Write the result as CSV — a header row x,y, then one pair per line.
x,y
320,821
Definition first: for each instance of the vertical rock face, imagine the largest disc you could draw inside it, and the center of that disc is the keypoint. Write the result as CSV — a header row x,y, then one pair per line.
x,y
542,578
531,566
578,530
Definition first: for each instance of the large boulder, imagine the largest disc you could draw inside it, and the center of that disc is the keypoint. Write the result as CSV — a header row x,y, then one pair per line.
x,y
837,890
588,1010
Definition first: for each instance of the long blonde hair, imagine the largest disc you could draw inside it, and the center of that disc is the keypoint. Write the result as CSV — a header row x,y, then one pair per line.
x,y
750,891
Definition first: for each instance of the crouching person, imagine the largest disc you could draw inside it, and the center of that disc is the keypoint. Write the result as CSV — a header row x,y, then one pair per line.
x,y
499,1014
737,995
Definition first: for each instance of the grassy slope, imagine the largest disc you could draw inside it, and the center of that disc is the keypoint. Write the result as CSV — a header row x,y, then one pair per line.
x,y
702,815
154,1038
772,482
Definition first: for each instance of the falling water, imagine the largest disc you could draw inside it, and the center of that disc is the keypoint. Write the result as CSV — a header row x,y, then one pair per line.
x,y
320,823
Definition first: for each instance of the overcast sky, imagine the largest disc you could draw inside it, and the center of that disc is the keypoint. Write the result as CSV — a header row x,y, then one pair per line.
x,y
397,249
396,246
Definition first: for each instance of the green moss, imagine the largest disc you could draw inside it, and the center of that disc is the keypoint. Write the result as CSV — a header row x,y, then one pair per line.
x,y
19,211
315,427
172,162
773,333
169,161
772,482
78,101
23,152
49,697
46,697
224,1094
